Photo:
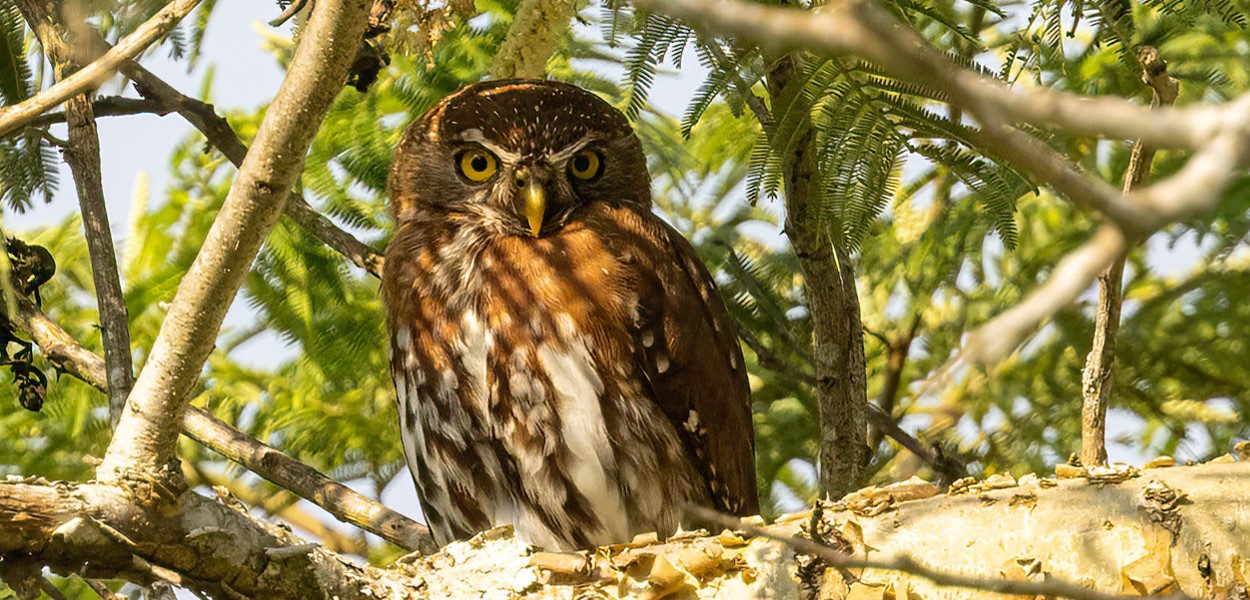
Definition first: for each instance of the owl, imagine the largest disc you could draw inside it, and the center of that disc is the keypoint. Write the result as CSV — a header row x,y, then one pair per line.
x,y
563,362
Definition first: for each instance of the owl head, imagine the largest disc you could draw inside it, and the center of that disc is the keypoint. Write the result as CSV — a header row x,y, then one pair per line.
x,y
519,156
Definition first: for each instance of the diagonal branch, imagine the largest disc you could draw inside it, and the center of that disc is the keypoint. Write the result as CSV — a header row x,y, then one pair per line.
x,y
161,98
15,117
347,505
143,444
83,156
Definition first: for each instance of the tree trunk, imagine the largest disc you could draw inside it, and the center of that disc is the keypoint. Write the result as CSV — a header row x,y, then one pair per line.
x,y
833,302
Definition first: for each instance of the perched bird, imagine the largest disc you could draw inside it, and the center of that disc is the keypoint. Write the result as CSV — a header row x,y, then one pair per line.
x,y
562,360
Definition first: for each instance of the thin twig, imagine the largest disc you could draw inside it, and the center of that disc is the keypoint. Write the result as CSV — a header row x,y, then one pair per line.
x,y
292,9
1097,380
108,106
347,505
15,117
1048,588
83,157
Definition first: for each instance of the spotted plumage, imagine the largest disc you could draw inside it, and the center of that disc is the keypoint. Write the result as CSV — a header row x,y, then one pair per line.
x,y
563,362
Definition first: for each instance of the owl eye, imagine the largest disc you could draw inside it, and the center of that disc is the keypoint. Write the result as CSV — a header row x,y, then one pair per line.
x,y
477,165
585,165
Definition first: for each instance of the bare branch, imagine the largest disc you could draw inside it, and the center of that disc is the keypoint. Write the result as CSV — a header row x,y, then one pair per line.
x,y
91,76
109,106
340,500
101,590
347,505
144,441
1097,382
83,157
219,133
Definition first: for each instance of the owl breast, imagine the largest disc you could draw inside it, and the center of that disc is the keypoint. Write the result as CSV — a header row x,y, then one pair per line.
x,y
520,397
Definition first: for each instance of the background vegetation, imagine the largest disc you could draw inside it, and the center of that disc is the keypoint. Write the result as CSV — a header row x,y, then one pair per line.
x,y
939,234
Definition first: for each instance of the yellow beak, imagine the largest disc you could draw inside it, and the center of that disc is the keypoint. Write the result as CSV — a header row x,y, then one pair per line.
x,y
535,206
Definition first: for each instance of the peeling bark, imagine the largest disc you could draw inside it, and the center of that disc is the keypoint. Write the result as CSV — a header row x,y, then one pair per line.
x,y
1111,532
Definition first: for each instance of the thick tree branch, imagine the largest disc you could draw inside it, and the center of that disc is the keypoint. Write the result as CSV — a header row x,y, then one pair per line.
x,y
532,38
346,504
83,156
144,441
107,530
1048,588
16,117
1165,531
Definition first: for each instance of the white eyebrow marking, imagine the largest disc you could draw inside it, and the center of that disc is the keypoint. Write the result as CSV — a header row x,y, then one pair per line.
x,y
571,149
475,135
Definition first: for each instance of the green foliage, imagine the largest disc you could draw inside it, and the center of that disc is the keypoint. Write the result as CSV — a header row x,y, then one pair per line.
x,y
942,236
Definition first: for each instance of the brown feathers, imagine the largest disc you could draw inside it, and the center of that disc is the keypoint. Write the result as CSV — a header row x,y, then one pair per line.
x,y
581,385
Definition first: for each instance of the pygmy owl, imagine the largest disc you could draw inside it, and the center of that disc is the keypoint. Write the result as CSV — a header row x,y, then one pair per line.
x,y
563,361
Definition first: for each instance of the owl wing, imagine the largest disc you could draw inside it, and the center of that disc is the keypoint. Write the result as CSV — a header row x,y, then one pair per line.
x,y
686,345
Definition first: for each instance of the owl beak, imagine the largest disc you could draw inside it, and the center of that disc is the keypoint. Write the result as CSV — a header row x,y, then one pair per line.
x,y
535,205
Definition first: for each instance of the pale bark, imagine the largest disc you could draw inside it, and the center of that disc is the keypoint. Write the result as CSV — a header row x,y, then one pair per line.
x,y
1161,530
144,441
344,503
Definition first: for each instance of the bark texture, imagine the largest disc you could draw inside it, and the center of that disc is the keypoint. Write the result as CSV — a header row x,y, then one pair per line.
x,y
833,302
1108,532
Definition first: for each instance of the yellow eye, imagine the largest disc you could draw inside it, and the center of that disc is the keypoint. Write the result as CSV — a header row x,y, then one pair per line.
x,y
585,164
477,165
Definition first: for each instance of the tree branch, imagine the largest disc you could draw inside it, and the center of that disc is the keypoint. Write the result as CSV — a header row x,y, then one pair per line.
x,y
144,441
1096,381
865,29
1048,588
223,137
83,156
109,106
346,504
15,117
288,511
339,500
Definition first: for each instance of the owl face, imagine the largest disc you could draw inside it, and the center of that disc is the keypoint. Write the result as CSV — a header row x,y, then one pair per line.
x,y
520,156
